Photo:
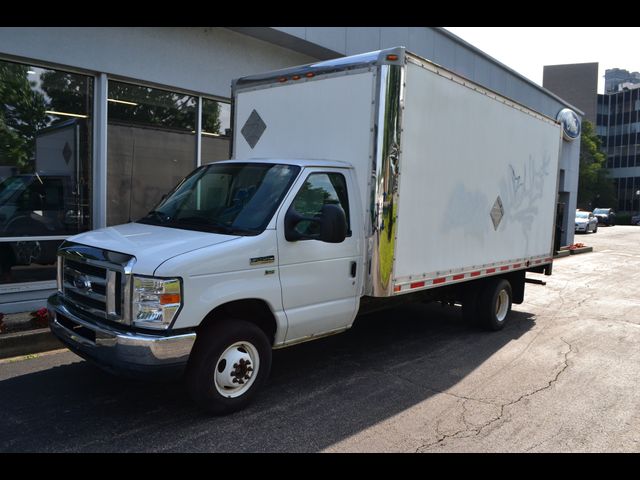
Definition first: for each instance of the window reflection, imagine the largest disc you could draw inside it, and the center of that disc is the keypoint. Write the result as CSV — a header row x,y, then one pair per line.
x,y
151,147
216,124
45,144
138,105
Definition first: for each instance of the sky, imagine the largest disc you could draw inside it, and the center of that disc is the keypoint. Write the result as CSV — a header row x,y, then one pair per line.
x,y
528,49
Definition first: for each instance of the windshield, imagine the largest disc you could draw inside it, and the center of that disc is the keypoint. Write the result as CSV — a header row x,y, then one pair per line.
x,y
12,185
601,210
231,198
582,214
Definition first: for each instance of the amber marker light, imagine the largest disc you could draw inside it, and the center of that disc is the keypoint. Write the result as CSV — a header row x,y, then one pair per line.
x,y
169,298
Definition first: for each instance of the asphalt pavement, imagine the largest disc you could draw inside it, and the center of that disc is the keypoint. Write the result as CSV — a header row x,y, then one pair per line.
x,y
563,376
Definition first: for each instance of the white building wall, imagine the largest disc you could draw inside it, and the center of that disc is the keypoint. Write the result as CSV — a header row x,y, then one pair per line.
x,y
201,60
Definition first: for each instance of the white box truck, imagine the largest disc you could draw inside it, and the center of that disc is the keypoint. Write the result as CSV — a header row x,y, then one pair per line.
x,y
355,184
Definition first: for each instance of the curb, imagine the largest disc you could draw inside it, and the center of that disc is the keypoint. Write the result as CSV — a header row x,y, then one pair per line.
x,y
581,250
27,343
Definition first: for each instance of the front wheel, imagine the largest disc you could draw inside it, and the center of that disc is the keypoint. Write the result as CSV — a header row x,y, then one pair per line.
x,y
231,361
494,304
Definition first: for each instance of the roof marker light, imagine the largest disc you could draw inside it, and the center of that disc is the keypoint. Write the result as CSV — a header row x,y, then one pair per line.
x,y
282,79
392,57
310,75
296,77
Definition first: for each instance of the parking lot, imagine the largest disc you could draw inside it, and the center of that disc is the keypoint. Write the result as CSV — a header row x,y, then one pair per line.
x,y
563,376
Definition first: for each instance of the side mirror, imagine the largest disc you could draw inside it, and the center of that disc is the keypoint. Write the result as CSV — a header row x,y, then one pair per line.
x,y
332,222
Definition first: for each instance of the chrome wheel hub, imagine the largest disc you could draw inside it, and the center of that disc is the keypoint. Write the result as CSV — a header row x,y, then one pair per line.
x,y
236,369
502,305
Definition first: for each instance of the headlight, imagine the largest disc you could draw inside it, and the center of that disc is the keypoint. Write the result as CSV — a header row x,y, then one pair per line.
x,y
156,301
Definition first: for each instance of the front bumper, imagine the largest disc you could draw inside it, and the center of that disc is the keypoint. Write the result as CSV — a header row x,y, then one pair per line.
x,y
583,227
122,352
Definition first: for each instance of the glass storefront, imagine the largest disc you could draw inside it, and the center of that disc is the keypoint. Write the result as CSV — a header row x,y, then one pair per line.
x,y
215,130
45,166
46,145
152,145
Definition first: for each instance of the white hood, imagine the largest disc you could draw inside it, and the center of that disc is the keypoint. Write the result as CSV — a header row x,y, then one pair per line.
x,y
150,244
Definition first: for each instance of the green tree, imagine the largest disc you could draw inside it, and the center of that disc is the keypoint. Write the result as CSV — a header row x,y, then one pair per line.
x,y
67,92
152,106
211,116
595,188
22,114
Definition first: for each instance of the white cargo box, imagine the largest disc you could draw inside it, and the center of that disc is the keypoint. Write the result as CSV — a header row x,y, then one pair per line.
x,y
456,181
477,180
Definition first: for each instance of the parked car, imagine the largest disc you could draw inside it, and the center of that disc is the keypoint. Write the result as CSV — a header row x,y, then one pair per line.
x,y
635,220
605,216
586,222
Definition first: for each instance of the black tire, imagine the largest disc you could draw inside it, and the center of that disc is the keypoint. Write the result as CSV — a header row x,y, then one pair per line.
x,y
493,312
204,374
595,230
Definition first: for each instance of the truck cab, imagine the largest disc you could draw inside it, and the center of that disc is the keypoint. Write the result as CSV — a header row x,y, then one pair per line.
x,y
243,240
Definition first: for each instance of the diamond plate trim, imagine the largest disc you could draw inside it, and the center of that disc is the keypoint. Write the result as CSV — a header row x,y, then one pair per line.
x,y
253,129
497,212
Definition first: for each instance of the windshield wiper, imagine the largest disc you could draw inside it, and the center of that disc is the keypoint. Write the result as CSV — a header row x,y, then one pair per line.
x,y
213,226
157,214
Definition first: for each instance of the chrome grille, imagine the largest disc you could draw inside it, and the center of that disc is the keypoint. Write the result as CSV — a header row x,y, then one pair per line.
x,y
96,281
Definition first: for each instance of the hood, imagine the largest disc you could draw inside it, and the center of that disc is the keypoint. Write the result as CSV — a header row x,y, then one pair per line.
x,y
150,244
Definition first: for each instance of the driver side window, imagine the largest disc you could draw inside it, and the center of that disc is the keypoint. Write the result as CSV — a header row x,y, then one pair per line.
x,y
320,189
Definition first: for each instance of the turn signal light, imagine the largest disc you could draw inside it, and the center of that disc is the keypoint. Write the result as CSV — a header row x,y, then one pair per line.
x,y
169,298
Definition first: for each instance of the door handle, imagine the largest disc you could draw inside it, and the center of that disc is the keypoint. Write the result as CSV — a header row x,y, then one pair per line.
x,y
354,267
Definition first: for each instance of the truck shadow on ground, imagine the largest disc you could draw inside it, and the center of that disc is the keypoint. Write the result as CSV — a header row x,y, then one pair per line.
x,y
319,393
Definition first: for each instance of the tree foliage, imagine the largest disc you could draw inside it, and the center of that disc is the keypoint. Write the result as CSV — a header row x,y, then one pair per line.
x,y
595,188
24,102
22,115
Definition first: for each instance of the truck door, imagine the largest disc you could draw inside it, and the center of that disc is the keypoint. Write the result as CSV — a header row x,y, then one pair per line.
x,y
320,281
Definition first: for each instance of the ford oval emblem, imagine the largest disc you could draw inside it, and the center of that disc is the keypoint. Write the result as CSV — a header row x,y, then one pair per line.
x,y
82,282
570,124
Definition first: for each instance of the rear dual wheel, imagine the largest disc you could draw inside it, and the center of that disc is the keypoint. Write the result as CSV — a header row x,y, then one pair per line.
x,y
488,306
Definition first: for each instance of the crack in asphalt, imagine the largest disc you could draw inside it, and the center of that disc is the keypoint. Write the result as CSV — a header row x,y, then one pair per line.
x,y
476,431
